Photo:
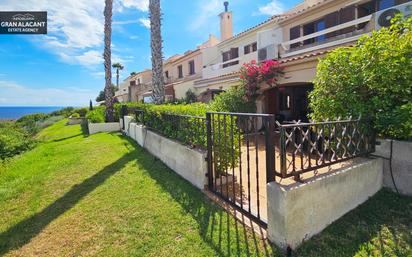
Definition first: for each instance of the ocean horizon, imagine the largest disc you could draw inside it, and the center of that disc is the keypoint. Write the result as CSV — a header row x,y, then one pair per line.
x,y
16,112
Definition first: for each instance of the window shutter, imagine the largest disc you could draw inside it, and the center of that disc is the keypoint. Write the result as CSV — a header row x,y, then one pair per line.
x,y
294,33
347,14
234,53
332,20
254,47
246,49
225,56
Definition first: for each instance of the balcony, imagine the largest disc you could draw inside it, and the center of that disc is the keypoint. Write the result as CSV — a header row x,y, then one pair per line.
x,y
365,25
218,69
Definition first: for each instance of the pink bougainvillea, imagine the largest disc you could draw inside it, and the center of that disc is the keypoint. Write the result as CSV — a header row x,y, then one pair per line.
x,y
253,74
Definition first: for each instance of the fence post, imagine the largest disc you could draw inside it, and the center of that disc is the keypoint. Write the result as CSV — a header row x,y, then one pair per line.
x,y
270,148
123,113
283,151
209,150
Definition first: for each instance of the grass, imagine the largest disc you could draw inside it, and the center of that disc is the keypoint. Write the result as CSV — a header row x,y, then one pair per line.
x,y
102,195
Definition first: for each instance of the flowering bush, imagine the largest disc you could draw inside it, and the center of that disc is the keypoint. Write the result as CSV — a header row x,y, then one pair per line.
x,y
253,74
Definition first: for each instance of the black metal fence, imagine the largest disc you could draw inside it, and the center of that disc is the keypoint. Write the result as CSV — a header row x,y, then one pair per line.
x,y
239,150
305,147
245,151
189,130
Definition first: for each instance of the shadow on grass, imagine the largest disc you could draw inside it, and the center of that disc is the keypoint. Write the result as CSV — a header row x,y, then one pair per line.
x,y
21,233
218,228
382,226
70,137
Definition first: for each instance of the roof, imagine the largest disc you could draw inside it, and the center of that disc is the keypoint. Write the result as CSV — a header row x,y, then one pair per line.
x,y
273,18
301,11
312,54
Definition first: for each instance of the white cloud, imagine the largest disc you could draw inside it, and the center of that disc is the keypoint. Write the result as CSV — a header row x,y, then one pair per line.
x,y
124,22
142,5
92,57
75,27
145,22
15,94
205,15
272,8
98,74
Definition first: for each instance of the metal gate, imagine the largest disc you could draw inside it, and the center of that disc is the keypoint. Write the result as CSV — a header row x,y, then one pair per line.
x,y
241,160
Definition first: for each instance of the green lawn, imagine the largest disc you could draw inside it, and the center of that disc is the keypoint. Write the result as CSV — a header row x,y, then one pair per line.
x,y
102,195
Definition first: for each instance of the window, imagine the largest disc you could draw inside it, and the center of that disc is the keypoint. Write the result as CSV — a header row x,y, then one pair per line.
x,y
180,71
384,4
167,74
192,67
138,81
320,25
313,27
294,34
250,48
366,9
233,53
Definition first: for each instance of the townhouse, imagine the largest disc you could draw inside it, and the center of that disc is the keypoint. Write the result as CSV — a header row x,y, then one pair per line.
x,y
296,38
140,87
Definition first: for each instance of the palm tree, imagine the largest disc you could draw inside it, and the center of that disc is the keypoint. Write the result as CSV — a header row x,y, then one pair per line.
x,y
156,46
108,94
118,66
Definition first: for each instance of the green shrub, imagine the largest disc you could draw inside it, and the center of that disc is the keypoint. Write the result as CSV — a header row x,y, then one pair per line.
x,y
30,122
82,112
372,79
47,122
192,131
233,100
190,97
75,115
13,140
66,112
97,115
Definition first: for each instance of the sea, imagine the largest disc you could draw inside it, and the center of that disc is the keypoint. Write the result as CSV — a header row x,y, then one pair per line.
x,y
15,112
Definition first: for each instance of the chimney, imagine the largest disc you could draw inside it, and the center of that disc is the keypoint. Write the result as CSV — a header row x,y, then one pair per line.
x,y
226,24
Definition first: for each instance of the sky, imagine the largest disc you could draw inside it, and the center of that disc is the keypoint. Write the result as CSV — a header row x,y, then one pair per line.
x,y
65,67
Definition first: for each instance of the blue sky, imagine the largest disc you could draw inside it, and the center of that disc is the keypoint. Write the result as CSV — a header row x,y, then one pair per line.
x,y
64,67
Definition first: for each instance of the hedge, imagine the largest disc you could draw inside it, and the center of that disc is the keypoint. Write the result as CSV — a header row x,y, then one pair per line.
x,y
372,79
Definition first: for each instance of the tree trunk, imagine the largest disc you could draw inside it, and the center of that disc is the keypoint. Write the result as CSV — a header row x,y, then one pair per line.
x,y
108,94
157,57
117,78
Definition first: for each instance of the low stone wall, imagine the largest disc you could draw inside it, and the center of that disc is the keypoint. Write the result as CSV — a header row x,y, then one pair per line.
x,y
127,121
298,212
401,165
187,162
75,121
103,127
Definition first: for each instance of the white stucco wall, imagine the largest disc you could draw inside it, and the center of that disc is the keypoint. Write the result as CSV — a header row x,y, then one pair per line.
x,y
296,213
187,162
103,127
401,165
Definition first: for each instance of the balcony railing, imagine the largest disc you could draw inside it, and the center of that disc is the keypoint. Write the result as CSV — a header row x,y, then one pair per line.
x,y
326,43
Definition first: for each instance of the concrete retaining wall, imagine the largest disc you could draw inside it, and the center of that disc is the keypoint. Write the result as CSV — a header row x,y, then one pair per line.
x,y
75,121
401,165
296,213
189,163
103,127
